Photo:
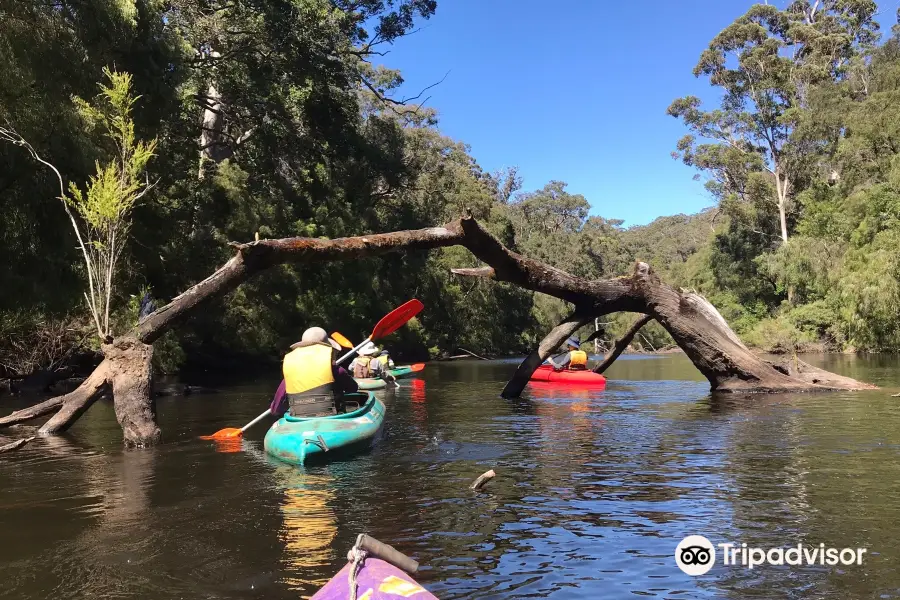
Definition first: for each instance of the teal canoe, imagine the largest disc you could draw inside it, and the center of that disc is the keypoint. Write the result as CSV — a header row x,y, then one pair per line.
x,y
406,371
297,440
371,384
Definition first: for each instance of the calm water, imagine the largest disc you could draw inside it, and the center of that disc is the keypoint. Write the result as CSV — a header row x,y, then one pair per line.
x,y
593,492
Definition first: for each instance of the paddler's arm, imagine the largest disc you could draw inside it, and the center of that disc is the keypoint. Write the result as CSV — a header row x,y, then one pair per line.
x,y
560,362
343,380
279,401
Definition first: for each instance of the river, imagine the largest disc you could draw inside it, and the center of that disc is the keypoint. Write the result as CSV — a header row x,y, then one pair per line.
x,y
593,491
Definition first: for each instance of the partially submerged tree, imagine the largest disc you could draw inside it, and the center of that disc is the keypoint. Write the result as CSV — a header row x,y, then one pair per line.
x,y
694,323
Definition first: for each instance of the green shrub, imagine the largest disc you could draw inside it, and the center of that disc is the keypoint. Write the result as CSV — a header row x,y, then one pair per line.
x,y
779,335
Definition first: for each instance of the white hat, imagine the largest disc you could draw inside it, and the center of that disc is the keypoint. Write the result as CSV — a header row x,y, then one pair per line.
x,y
317,334
367,350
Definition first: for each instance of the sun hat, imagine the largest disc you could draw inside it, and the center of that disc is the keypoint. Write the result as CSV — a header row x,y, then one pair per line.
x,y
317,334
368,350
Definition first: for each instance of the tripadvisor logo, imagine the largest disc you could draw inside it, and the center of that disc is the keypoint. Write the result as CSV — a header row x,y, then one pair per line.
x,y
696,555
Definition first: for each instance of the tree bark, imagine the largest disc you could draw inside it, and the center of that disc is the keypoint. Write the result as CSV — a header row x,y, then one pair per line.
x,y
134,402
76,403
257,256
622,343
91,386
16,445
694,324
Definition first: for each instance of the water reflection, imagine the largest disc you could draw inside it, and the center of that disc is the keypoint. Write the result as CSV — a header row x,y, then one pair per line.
x,y
309,525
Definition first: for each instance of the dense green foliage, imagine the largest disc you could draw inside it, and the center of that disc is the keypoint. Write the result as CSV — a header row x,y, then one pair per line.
x,y
810,102
272,119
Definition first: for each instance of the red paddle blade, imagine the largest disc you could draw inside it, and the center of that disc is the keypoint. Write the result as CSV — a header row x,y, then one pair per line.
x,y
396,319
417,367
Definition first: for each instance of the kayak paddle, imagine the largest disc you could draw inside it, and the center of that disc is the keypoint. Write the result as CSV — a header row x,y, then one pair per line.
x,y
390,323
340,339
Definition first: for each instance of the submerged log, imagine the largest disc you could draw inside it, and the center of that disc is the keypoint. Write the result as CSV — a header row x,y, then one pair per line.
x,y
470,353
694,324
15,445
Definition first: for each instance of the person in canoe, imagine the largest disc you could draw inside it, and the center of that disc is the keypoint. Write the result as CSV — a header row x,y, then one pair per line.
x,y
573,359
313,385
381,363
362,367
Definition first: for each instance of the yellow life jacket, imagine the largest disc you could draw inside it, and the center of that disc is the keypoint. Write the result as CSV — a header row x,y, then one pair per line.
x,y
577,358
308,367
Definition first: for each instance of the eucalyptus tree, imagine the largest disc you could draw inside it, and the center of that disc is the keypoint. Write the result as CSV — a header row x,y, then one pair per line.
x,y
765,64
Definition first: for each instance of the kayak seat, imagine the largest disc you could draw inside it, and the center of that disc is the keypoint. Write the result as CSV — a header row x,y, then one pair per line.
x,y
311,406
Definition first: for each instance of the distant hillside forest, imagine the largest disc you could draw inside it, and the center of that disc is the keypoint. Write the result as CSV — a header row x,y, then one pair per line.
x,y
275,119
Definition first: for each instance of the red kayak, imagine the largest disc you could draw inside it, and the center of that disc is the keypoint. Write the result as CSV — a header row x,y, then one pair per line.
x,y
567,376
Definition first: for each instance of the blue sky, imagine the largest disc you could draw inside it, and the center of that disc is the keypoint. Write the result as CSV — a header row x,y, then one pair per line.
x,y
574,90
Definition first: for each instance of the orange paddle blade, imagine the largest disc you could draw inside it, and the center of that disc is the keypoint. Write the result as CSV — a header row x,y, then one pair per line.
x,y
396,319
340,339
229,433
417,367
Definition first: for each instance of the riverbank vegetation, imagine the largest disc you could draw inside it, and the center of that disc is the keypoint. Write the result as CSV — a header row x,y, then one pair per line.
x,y
276,120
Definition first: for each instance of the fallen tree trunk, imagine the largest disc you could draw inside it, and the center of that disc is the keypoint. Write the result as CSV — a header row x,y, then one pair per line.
x,y
693,323
622,343
15,445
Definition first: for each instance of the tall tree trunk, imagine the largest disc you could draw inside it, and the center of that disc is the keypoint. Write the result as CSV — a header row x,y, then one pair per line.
x,y
782,185
135,404
213,148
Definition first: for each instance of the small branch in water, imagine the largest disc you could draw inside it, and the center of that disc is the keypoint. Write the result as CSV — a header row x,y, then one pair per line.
x,y
646,341
622,343
19,443
473,354
483,479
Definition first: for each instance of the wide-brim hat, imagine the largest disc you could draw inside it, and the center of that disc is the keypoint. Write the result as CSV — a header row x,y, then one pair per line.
x,y
318,335
573,341
368,350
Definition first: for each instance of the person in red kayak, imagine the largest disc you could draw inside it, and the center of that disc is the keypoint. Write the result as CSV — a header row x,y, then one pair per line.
x,y
573,359
313,385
